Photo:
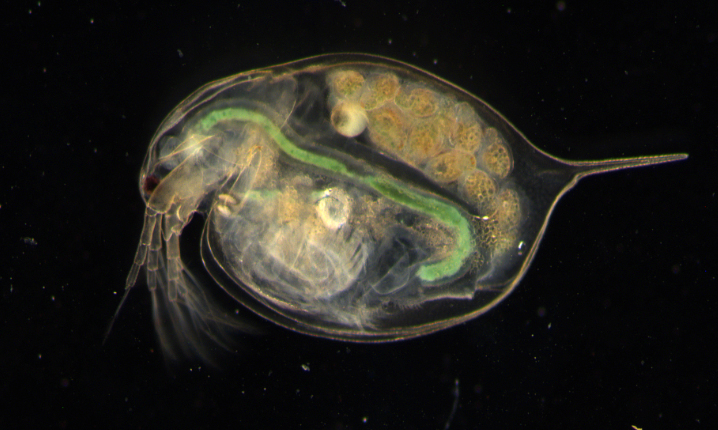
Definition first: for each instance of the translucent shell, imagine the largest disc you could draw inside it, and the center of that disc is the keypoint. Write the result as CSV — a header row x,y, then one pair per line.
x,y
345,196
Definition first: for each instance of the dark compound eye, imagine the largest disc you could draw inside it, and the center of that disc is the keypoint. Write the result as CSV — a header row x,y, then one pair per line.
x,y
150,183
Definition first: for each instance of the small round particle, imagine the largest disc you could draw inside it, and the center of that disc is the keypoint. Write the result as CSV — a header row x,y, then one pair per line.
x,y
387,128
334,208
491,136
496,158
468,136
450,166
508,209
379,90
349,119
347,84
499,228
467,130
478,188
419,102
424,142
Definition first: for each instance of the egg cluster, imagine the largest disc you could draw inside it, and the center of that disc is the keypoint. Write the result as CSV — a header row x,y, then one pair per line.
x,y
442,137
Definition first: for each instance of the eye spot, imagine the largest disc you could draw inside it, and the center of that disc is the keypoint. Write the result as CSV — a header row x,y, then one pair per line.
x,y
150,183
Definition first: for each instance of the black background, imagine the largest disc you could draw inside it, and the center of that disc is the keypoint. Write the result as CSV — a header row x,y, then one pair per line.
x,y
613,326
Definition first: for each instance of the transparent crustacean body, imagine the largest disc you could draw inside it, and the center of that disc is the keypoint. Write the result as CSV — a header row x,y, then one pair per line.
x,y
345,196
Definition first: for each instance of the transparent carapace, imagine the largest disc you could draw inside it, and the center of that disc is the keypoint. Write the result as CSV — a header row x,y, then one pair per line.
x,y
345,196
